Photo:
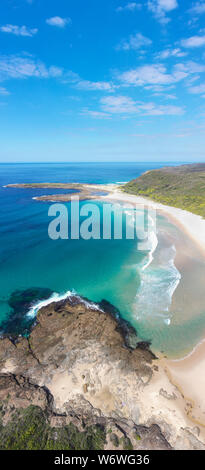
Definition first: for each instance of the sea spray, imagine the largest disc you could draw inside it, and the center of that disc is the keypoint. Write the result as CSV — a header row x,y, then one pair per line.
x,y
57,297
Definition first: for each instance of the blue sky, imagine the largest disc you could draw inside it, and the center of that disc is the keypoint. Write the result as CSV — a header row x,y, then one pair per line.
x,y
102,80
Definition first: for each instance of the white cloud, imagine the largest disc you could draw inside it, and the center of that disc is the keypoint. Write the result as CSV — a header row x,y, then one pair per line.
x,y
95,114
192,79
167,53
198,8
155,77
89,85
58,21
70,77
4,91
25,67
155,74
193,41
118,104
152,109
197,89
132,6
190,67
136,41
126,105
54,71
18,30
20,67
167,5
161,7
158,88
166,96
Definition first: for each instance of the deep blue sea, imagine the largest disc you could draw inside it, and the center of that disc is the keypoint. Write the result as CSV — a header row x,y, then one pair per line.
x,y
34,267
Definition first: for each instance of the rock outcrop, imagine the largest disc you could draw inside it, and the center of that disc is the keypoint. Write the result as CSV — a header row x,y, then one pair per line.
x,y
82,370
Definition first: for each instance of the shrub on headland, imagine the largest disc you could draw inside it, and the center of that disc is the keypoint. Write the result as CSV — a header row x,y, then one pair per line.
x,y
29,430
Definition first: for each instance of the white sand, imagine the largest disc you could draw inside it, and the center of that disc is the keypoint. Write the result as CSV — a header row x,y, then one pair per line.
x,y
187,374
106,385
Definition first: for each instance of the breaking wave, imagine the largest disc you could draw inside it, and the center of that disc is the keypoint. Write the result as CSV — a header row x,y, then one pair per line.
x,y
56,297
159,277
159,280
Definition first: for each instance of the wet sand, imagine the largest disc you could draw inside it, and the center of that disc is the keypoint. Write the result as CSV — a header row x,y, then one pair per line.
x,y
186,373
186,233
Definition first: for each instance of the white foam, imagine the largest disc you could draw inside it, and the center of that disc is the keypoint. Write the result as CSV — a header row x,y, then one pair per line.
x,y
56,297
154,242
158,285
175,283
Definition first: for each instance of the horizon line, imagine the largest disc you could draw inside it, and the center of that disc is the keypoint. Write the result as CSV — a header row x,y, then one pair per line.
x,y
105,162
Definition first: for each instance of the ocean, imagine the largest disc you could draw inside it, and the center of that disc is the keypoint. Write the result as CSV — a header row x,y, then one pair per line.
x,y
34,268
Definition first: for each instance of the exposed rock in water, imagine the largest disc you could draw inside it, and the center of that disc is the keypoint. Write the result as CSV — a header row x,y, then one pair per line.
x,y
77,379
125,328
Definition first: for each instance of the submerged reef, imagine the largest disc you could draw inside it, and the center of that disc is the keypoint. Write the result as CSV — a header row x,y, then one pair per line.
x,y
20,301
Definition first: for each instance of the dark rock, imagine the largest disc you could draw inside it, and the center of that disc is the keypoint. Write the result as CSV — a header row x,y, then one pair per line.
x,y
20,302
31,370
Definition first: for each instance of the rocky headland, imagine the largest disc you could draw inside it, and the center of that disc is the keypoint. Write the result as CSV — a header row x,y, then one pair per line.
x,y
86,382
84,192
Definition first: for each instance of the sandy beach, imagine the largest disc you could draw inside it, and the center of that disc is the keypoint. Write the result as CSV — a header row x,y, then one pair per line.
x,y
192,224
186,374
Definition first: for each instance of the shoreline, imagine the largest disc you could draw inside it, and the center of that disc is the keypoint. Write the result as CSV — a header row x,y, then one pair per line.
x,y
192,224
187,375
174,374
184,373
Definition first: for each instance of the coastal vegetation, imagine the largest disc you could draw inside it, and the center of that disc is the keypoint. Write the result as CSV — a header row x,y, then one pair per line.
x,y
29,429
181,186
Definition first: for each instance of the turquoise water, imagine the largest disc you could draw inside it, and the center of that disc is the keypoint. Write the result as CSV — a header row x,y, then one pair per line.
x,y
95,268
138,282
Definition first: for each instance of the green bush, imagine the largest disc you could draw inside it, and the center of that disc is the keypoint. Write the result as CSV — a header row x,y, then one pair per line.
x,y
182,187
29,430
